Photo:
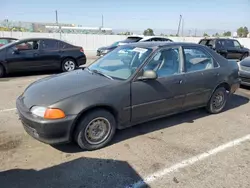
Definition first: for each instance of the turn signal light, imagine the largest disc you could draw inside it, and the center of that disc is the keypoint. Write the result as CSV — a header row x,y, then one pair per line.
x,y
54,114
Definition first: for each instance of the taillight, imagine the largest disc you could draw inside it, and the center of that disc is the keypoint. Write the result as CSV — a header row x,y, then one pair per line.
x,y
81,50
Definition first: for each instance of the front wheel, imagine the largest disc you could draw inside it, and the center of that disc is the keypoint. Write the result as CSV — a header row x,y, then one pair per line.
x,y
217,101
244,56
68,65
95,130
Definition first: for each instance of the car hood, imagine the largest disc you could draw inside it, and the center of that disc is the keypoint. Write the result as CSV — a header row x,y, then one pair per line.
x,y
245,62
52,89
246,49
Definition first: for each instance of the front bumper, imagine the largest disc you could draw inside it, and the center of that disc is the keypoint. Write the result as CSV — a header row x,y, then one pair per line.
x,y
245,78
46,131
235,85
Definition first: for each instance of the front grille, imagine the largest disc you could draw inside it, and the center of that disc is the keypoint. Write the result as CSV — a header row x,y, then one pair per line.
x,y
243,79
244,68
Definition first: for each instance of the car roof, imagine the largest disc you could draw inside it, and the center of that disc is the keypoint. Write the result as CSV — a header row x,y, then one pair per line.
x,y
8,38
217,39
155,45
43,38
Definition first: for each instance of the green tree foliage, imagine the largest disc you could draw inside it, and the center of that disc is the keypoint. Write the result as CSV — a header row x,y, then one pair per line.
x,y
148,32
227,34
242,32
205,35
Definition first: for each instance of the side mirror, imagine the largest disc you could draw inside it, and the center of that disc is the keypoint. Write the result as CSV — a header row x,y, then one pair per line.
x,y
15,50
148,75
242,46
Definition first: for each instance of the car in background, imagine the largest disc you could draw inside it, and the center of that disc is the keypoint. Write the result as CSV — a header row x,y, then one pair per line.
x,y
37,54
6,40
131,39
228,48
244,71
106,49
132,84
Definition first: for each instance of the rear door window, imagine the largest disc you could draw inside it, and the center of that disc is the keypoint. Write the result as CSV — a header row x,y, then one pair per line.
x,y
49,45
64,45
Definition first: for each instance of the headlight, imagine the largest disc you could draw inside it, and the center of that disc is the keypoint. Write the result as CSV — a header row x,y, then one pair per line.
x,y
47,113
38,111
239,65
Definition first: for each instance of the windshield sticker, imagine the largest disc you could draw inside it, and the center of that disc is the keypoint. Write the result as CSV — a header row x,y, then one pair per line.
x,y
139,50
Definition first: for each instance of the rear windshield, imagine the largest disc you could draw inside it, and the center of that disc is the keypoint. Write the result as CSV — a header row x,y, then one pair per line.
x,y
132,39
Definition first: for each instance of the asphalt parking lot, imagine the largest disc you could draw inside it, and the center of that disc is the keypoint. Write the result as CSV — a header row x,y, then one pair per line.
x,y
192,149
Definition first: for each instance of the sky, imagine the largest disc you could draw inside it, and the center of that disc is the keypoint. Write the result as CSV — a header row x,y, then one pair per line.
x,y
133,14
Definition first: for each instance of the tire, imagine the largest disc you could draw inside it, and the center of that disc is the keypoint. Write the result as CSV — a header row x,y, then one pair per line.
x,y
2,71
68,65
217,101
244,56
89,122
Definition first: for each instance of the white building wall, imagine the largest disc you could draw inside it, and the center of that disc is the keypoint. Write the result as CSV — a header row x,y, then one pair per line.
x,y
90,42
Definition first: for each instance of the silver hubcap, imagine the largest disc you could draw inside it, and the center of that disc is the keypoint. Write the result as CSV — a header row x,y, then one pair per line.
x,y
218,100
69,65
97,130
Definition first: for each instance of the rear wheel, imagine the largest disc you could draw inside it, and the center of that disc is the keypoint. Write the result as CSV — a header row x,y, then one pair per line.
x,y
218,101
2,71
68,65
95,130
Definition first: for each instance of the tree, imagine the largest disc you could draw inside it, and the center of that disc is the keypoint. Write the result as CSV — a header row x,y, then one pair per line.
x,y
242,32
148,32
227,34
216,35
205,35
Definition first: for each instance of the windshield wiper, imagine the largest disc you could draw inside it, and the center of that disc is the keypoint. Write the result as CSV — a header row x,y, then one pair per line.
x,y
101,73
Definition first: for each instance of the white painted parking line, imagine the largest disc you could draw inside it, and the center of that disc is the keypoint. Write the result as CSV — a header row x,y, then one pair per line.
x,y
159,174
7,110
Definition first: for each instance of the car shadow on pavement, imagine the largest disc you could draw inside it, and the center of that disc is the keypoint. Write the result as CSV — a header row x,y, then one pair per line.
x,y
141,129
79,173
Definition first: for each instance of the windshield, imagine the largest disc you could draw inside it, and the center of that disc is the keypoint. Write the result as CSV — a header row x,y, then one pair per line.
x,y
122,62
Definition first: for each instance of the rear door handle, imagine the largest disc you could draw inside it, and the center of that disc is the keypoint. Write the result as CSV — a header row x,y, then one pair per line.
x,y
36,54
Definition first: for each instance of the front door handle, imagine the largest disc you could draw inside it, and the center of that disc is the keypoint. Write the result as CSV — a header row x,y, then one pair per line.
x,y
179,82
36,54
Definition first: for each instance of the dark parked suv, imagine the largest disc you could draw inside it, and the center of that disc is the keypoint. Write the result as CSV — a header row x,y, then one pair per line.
x,y
228,48
38,54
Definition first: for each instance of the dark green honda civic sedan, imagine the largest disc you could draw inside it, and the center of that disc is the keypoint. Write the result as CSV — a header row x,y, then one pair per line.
x,y
132,84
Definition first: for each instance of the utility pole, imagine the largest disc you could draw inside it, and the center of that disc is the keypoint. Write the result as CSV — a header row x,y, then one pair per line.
x,y
56,18
179,26
102,20
182,29
58,25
